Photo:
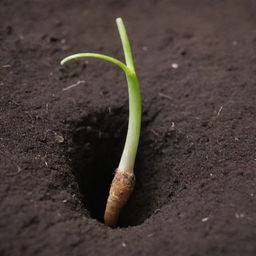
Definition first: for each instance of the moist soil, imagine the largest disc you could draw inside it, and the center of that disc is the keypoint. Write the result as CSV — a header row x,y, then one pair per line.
x,y
63,127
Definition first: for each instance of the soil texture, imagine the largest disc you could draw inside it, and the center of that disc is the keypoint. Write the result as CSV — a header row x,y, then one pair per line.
x,y
62,128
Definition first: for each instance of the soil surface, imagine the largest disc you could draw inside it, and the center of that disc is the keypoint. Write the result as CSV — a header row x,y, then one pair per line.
x,y
63,127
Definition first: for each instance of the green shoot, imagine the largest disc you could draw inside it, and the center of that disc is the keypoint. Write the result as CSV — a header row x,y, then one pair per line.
x,y
127,161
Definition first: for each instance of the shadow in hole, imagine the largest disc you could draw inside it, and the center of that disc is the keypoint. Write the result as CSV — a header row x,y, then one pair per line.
x,y
97,144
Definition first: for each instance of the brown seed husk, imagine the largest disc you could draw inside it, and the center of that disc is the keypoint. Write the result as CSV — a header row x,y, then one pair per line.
x,y
120,191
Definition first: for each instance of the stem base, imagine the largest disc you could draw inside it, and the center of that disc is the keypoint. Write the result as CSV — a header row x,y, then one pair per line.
x,y
120,191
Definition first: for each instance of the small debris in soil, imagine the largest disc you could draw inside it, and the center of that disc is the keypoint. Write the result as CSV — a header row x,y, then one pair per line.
x,y
205,219
6,66
162,95
240,215
73,85
144,48
219,111
59,138
175,65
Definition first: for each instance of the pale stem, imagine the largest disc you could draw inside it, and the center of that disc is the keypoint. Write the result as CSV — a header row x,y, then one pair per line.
x,y
132,139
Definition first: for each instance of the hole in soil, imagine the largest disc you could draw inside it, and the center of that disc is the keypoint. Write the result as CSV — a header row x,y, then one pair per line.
x,y
97,143
96,147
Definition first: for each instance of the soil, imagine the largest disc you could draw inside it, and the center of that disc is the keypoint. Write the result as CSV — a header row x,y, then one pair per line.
x,y
63,128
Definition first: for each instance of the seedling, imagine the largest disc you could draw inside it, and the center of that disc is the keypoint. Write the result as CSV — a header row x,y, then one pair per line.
x,y
124,179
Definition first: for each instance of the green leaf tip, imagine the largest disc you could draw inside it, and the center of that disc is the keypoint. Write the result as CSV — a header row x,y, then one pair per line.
x,y
99,56
119,19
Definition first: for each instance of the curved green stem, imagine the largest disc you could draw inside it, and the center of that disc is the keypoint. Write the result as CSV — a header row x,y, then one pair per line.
x,y
98,56
134,126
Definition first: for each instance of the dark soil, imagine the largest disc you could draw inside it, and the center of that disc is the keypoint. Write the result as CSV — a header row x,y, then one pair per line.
x,y
196,166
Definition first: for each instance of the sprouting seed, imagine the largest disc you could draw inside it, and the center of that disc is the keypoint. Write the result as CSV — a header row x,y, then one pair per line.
x,y
124,180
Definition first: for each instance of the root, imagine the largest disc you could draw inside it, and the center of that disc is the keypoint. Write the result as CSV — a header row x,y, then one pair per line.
x,y
121,188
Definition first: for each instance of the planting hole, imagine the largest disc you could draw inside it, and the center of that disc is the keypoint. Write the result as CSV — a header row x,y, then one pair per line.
x,y
96,149
97,144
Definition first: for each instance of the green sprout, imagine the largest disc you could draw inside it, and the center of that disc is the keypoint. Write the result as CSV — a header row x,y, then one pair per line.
x,y
124,179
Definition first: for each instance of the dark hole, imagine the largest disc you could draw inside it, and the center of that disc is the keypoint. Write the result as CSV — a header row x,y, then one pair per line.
x,y
97,145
